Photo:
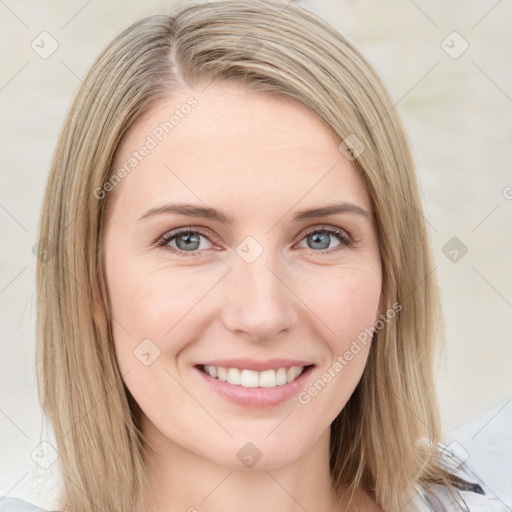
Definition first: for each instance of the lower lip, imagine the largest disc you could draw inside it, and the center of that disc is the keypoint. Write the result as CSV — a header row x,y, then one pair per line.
x,y
256,397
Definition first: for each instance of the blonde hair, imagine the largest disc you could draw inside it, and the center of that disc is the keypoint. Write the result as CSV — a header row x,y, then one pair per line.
x,y
291,53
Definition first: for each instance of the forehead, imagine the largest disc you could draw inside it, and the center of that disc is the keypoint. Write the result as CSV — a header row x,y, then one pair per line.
x,y
226,141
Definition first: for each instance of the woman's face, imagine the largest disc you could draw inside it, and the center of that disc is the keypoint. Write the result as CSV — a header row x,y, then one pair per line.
x,y
243,278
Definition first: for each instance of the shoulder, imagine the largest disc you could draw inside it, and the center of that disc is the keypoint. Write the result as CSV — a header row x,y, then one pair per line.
x,y
17,505
468,492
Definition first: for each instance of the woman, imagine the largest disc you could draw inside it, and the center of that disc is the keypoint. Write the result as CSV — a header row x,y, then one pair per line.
x,y
240,309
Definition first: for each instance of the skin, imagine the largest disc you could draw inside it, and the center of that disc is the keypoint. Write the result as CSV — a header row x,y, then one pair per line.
x,y
259,159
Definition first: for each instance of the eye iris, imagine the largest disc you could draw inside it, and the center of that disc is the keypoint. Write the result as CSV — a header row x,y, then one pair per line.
x,y
319,235
187,239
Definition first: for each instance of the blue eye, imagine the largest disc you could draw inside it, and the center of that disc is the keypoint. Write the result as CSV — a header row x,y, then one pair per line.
x,y
188,242
320,238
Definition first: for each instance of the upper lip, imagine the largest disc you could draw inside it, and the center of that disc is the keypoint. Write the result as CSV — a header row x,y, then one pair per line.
x,y
253,364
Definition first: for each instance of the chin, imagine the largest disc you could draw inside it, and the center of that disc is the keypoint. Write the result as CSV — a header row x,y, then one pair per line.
x,y
261,451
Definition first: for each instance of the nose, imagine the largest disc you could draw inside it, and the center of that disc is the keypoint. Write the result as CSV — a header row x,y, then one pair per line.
x,y
258,300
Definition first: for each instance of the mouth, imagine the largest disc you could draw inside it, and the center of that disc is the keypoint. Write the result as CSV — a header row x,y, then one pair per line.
x,y
254,379
260,386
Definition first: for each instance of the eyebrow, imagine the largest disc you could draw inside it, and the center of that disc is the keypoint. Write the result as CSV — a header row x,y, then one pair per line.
x,y
192,210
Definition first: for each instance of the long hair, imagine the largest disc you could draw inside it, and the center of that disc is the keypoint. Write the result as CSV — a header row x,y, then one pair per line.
x,y
385,438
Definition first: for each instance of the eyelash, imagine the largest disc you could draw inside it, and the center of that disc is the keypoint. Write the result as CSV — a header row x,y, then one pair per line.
x,y
340,234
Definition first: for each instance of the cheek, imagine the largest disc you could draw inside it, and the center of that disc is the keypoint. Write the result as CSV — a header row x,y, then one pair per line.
x,y
155,303
346,299
358,305
149,311
349,310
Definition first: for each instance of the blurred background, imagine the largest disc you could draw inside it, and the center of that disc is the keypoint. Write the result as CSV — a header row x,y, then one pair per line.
x,y
448,67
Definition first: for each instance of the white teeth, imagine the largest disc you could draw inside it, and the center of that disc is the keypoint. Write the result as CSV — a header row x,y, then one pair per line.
x,y
281,376
267,379
249,379
253,379
234,376
293,373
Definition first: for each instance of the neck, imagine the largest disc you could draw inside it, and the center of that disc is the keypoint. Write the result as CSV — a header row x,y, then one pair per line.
x,y
180,480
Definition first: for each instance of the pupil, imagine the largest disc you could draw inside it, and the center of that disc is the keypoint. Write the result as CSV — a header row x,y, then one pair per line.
x,y
187,239
318,236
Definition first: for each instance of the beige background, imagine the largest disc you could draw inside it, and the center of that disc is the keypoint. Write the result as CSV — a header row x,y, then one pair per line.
x,y
458,112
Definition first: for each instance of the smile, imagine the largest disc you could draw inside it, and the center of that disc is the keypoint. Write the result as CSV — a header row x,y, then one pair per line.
x,y
255,383
254,379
